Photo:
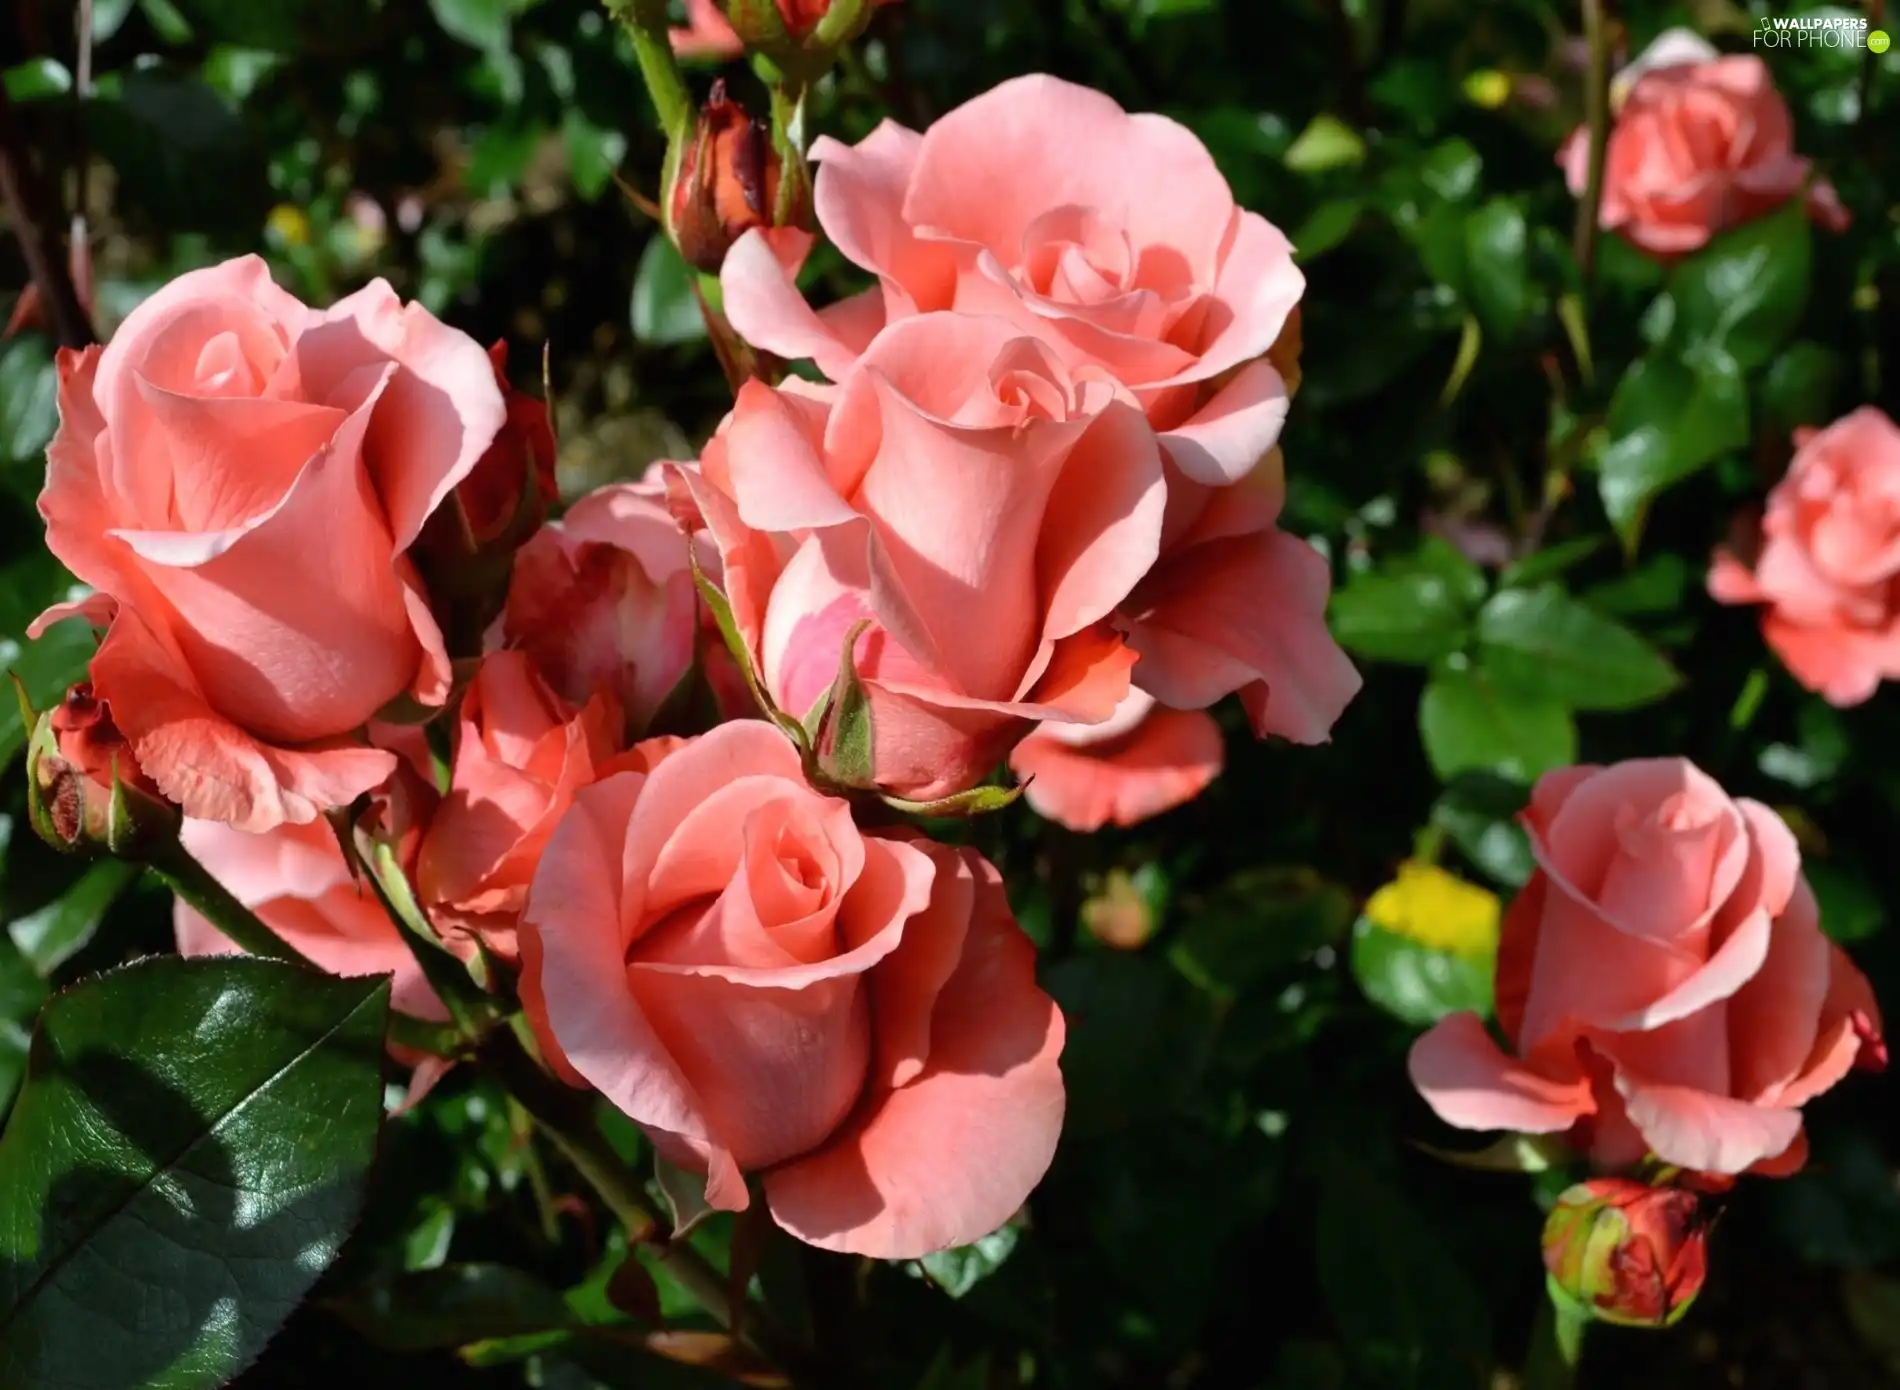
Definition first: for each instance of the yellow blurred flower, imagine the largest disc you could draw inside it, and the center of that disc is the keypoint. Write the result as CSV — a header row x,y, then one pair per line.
x,y
1488,88
288,225
1437,909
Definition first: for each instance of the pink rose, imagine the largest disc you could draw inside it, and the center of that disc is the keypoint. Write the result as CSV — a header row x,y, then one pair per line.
x,y
296,880
979,506
1698,147
1236,605
240,476
1111,238
604,600
1662,982
520,753
1827,567
766,990
1141,761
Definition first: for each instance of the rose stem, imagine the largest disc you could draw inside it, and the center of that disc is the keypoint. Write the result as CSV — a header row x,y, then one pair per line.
x,y
1597,112
30,209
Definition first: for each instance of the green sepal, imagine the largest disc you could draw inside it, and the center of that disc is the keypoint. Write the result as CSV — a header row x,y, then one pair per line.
x,y
974,802
845,740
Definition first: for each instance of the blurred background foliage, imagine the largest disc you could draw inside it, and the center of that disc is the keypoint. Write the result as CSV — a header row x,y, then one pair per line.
x,y
1519,496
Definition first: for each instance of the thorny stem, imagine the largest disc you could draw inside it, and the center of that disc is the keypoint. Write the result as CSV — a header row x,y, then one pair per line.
x,y
31,210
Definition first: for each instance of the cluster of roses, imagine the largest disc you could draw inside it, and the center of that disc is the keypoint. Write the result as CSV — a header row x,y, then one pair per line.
x,y
1030,517
1039,492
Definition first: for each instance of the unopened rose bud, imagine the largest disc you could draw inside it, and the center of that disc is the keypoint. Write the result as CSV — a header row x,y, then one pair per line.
x,y
725,182
802,16
1626,1252
85,786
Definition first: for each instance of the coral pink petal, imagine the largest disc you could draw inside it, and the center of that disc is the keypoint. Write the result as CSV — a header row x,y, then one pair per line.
x,y
1229,435
1709,1133
207,764
953,1154
1166,762
1464,1076
763,304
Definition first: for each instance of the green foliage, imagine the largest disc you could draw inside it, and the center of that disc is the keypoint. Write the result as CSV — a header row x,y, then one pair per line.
x,y
1518,469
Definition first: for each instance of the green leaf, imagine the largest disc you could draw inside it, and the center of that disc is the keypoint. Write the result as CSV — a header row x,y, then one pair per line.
x,y
452,1306
665,311
1418,984
1479,812
1330,224
483,24
1851,905
1326,143
958,1271
1469,723
1415,608
29,408
22,992
1745,291
1407,1313
1497,275
1258,923
187,1155
1543,642
37,78
1549,562
593,153
50,937
1668,419
1655,588
1802,386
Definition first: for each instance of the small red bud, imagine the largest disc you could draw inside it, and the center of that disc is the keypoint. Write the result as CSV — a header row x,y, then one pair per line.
x,y
86,787
726,182
1626,1252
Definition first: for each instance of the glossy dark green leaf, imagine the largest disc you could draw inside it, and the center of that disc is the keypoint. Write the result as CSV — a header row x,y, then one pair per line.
x,y
1745,291
1330,224
1655,588
665,311
1497,271
22,992
1412,608
48,665
1544,642
452,1306
1470,723
1549,562
1669,418
1407,1312
1415,983
189,1150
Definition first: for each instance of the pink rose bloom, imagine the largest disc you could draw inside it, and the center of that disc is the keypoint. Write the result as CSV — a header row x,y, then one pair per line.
x,y
296,880
603,600
1827,566
767,990
1662,982
1698,147
706,35
1141,761
979,506
240,476
521,751
1111,238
